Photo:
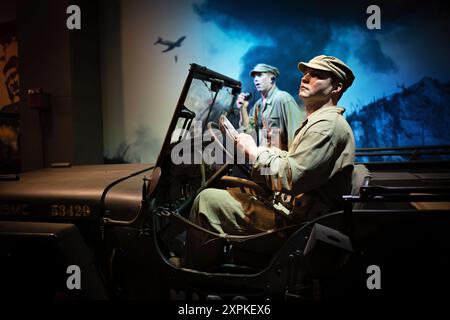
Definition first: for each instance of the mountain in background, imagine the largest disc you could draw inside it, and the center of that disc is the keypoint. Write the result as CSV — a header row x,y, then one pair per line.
x,y
419,115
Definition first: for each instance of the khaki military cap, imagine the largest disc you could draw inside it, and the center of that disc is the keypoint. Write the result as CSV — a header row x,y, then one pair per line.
x,y
331,64
262,67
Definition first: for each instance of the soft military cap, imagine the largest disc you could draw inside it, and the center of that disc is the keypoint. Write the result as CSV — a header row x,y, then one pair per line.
x,y
262,67
331,64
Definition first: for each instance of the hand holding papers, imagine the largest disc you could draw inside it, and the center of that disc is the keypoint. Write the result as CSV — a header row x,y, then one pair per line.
x,y
227,128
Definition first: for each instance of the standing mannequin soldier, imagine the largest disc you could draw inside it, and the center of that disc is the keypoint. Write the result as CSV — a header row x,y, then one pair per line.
x,y
275,116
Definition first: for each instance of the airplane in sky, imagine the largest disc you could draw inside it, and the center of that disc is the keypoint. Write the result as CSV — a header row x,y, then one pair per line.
x,y
170,44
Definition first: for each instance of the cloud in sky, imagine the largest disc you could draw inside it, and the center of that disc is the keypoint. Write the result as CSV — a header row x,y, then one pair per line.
x,y
299,30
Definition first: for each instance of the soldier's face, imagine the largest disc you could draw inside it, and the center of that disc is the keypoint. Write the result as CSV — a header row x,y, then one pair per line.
x,y
315,84
263,81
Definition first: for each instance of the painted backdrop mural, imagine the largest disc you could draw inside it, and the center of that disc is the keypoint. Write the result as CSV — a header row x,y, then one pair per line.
x,y
9,99
9,76
400,96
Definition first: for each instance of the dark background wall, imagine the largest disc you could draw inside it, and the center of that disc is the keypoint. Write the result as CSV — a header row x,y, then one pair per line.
x,y
65,64
7,10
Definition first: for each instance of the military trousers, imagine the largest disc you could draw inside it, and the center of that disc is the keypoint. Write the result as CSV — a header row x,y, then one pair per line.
x,y
231,212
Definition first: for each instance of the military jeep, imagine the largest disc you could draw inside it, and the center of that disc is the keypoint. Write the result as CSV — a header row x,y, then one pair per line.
x,y
116,231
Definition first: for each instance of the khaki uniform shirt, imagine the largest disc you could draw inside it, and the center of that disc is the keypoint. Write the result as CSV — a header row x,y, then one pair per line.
x,y
316,171
280,111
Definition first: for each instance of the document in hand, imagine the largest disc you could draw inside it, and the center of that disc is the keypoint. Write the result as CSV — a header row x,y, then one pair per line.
x,y
227,128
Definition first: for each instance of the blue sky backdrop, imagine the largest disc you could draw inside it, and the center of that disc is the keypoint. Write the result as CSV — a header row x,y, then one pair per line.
x,y
231,36
412,42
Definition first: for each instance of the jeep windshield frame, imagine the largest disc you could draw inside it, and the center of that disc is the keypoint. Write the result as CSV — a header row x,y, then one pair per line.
x,y
182,171
192,104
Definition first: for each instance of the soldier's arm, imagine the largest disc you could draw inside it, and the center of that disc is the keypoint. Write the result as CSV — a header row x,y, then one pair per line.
x,y
292,117
245,120
306,168
247,123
